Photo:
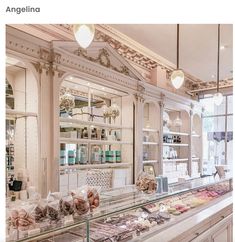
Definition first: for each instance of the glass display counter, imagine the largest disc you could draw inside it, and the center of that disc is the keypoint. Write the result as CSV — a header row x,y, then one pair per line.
x,y
125,214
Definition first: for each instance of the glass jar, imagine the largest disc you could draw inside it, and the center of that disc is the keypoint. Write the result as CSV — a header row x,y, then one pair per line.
x,y
62,155
96,154
110,156
103,135
118,156
85,133
71,157
82,154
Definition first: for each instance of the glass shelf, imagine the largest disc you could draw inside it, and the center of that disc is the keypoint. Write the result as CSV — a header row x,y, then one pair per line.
x,y
175,144
69,122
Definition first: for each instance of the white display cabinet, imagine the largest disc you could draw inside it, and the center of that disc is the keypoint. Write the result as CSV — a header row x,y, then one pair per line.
x,y
22,138
176,144
196,145
96,134
151,126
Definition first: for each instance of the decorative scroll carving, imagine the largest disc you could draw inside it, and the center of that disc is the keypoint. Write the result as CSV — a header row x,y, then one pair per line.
x,y
140,88
139,97
45,54
203,86
55,57
41,66
37,66
74,92
102,59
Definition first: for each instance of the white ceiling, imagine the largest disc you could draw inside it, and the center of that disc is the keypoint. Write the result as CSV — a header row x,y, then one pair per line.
x,y
198,46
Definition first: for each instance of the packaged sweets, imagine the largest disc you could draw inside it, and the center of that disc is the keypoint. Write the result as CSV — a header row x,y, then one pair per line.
x,y
40,211
93,197
66,205
53,206
146,183
80,201
22,217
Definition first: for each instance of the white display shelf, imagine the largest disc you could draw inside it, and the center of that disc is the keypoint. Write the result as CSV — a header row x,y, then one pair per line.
x,y
92,141
149,161
72,121
18,114
149,130
172,160
95,166
196,135
195,158
175,144
150,143
176,133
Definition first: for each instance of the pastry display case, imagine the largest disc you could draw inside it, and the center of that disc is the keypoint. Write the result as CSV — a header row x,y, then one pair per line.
x,y
126,214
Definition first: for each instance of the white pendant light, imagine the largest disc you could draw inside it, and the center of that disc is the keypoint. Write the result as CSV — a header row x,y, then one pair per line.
x,y
177,76
84,34
218,96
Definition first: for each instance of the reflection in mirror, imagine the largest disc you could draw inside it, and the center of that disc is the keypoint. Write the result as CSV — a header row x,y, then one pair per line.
x,y
21,95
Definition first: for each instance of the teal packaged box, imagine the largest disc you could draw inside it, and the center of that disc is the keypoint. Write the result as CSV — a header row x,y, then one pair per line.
x,y
110,156
118,156
71,157
62,157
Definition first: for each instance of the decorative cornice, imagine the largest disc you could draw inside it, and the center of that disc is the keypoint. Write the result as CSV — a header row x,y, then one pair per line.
x,y
206,86
103,59
133,51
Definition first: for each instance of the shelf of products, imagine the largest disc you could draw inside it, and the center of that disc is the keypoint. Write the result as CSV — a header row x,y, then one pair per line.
x,y
123,213
150,131
176,139
95,133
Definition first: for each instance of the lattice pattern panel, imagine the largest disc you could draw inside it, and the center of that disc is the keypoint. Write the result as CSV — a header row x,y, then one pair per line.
x,y
102,178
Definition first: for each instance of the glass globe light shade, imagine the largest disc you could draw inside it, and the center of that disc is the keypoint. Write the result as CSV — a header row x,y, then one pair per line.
x,y
166,116
218,98
177,78
84,34
178,122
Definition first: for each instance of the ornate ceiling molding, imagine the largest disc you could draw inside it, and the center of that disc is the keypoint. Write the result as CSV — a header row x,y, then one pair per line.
x,y
133,51
103,59
212,85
